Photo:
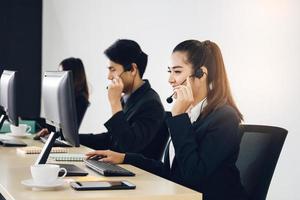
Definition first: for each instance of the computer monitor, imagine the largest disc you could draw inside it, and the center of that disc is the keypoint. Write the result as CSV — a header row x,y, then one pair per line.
x,y
8,97
60,110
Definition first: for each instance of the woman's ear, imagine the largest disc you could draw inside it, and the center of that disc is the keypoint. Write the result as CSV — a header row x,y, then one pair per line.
x,y
204,70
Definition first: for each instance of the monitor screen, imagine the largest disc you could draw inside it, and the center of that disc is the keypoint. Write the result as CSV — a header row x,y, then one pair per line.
x,y
8,95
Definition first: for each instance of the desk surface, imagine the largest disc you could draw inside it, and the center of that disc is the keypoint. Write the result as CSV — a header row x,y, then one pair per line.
x,y
15,167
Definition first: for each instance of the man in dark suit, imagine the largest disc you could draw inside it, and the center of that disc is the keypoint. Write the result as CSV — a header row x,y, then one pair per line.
x,y
138,114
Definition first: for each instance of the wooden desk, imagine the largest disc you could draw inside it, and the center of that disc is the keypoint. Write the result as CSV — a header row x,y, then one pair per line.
x,y
15,167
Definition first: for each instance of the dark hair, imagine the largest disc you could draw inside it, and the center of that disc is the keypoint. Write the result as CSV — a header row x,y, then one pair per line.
x,y
208,54
80,83
125,52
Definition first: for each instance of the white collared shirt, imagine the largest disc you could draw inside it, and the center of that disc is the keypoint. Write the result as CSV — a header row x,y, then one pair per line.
x,y
193,113
125,97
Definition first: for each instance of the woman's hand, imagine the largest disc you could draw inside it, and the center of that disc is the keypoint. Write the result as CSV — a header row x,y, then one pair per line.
x,y
184,98
41,133
107,156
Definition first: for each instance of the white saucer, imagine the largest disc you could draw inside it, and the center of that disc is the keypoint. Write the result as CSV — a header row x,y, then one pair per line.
x,y
32,184
18,135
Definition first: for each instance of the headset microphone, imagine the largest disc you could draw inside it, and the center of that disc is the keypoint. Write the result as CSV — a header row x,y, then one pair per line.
x,y
170,99
198,73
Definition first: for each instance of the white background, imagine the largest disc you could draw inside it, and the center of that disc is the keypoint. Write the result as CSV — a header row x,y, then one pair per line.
x,y
259,40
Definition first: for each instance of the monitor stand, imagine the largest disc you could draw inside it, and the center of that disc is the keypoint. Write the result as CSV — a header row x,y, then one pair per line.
x,y
43,156
72,170
2,119
9,142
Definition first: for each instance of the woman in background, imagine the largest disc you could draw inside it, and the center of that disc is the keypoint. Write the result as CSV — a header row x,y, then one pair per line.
x,y
80,84
203,126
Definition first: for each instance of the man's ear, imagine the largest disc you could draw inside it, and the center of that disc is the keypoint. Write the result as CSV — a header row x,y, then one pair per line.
x,y
134,69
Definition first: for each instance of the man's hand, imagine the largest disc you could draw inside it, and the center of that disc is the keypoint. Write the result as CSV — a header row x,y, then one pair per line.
x,y
115,90
107,156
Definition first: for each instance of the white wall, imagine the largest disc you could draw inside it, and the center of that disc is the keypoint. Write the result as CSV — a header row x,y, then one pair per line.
x,y
259,40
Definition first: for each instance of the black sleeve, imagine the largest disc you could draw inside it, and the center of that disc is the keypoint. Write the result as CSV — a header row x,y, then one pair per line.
x,y
81,107
135,135
96,141
149,165
198,159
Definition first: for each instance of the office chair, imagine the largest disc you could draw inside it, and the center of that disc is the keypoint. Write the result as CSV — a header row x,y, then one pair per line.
x,y
260,148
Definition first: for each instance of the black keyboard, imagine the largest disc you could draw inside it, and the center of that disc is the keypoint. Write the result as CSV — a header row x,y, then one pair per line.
x,y
57,142
107,169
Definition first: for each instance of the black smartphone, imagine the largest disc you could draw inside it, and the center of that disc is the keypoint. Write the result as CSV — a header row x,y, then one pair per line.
x,y
102,185
13,143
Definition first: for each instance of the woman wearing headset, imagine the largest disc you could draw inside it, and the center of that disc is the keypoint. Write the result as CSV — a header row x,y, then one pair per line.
x,y
203,126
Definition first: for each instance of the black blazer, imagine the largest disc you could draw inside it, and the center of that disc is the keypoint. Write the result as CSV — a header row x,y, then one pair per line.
x,y
135,128
205,155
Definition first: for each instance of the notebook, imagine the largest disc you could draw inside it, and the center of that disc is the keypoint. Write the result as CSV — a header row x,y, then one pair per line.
x,y
37,150
68,157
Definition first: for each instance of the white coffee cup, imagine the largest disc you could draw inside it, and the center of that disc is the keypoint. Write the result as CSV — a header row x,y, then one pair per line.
x,y
21,129
46,174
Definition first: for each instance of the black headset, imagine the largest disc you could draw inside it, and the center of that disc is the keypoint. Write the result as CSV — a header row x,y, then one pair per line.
x,y
198,74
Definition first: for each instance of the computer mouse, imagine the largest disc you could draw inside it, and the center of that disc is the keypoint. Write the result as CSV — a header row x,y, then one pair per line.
x,y
37,137
96,157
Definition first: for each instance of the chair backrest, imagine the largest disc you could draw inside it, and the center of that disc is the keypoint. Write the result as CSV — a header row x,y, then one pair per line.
x,y
259,152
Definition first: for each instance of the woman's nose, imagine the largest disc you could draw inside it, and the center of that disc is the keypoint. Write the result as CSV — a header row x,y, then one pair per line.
x,y
171,79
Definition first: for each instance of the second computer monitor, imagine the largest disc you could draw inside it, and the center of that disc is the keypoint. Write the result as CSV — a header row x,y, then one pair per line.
x,y
59,104
8,96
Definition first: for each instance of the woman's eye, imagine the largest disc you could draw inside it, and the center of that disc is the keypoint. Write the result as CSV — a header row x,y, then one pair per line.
x,y
176,72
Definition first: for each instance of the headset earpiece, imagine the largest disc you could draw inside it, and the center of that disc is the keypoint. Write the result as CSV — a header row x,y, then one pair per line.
x,y
199,73
128,67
